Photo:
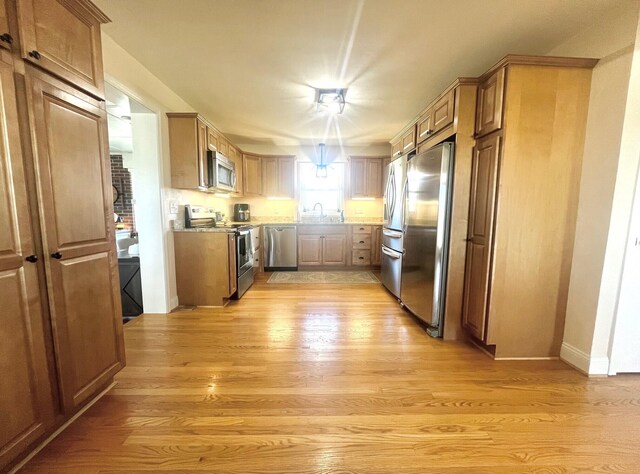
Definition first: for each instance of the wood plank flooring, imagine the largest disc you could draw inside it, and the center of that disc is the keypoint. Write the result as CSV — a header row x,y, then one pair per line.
x,y
321,379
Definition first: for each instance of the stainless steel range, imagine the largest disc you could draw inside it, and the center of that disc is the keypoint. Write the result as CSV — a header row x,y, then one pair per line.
x,y
202,217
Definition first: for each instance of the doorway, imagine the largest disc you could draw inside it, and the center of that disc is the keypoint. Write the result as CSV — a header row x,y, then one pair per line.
x,y
136,177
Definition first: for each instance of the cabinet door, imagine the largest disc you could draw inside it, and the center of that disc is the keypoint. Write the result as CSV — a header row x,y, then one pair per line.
x,y
223,145
409,140
270,186
309,250
484,179
212,139
376,245
373,177
76,215
286,177
396,148
443,111
5,38
252,177
233,267
25,392
334,250
489,106
425,126
358,173
203,147
63,37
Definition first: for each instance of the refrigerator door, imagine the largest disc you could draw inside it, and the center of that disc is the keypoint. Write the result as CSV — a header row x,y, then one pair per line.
x,y
427,210
393,203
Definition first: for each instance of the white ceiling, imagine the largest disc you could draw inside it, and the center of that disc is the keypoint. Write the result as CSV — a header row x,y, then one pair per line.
x,y
249,66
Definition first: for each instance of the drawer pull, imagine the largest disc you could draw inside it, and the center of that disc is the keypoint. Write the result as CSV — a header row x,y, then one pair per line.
x,y
32,258
34,54
6,38
361,242
361,258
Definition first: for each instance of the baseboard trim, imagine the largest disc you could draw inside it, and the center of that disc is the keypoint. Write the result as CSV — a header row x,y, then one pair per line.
x,y
583,362
528,358
63,427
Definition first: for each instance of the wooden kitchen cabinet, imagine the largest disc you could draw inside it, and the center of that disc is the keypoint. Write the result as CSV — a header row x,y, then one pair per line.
x,y
309,250
376,245
70,131
443,111
409,140
252,176
26,392
425,126
212,139
6,40
63,38
189,140
322,245
61,318
490,99
365,176
223,145
206,272
396,148
278,176
523,203
484,185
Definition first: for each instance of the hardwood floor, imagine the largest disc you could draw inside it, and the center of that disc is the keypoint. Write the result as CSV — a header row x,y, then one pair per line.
x,y
338,379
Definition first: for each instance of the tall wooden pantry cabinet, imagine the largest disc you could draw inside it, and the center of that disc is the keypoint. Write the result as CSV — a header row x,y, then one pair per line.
x,y
60,318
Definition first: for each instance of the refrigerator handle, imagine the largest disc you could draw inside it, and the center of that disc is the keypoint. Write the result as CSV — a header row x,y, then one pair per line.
x,y
405,195
392,192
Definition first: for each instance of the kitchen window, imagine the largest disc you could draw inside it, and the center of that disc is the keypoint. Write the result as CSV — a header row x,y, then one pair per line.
x,y
327,191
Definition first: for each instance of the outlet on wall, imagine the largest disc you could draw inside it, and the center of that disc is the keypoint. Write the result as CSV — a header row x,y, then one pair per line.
x,y
173,207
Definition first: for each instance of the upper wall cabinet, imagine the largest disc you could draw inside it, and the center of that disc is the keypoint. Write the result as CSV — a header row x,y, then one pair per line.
x,y
63,37
396,148
236,156
365,176
6,40
252,174
489,110
189,140
278,176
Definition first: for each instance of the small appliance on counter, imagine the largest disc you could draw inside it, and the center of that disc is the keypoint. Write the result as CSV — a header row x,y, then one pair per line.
x,y
241,213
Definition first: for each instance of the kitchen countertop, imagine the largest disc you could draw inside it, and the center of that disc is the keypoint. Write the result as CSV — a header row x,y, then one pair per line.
x,y
256,224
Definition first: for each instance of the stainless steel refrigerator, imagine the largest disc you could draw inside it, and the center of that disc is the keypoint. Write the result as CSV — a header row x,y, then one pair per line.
x,y
393,225
427,210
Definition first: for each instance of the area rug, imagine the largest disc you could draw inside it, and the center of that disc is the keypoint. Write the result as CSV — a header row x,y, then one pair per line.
x,y
346,278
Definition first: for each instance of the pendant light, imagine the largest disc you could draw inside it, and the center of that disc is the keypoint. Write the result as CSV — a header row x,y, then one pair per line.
x,y
321,168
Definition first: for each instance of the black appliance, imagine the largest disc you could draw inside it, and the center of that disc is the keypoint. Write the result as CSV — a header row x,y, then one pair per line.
x,y
130,287
241,213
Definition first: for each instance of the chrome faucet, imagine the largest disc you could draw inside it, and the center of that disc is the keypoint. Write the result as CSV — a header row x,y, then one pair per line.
x,y
321,208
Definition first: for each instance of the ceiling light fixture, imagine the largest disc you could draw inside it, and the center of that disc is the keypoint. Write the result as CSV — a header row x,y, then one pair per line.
x,y
321,167
331,100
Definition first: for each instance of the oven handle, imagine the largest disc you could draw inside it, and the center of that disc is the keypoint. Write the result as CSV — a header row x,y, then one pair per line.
x,y
243,232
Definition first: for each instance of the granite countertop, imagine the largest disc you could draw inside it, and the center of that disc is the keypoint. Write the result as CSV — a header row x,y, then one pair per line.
x,y
223,230
177,228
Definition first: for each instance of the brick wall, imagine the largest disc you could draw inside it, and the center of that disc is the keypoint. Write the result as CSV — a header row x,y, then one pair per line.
x,y
121,179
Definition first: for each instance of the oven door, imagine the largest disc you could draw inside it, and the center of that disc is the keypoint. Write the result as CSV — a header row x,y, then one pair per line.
x,y
244,252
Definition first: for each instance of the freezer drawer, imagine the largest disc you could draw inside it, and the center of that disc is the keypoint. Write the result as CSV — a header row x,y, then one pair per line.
x,y
394,239
391,270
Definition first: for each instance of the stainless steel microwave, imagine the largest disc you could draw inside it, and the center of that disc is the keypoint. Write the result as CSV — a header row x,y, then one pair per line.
x,y
221,172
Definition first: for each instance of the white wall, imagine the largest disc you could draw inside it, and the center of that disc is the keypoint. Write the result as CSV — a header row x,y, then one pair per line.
x,y
606,190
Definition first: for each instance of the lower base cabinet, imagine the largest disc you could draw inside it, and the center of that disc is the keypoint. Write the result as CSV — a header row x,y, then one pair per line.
x,y
206,272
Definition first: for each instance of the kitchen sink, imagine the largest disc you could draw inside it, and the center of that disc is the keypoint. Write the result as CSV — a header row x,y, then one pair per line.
x,y
319,220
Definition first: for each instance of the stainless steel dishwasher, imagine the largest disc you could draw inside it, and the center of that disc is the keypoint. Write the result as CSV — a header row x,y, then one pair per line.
x,y
280,248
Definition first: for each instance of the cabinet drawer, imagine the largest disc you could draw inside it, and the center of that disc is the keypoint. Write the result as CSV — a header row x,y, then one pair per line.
x,y
322,229
361,257
361,241
361,229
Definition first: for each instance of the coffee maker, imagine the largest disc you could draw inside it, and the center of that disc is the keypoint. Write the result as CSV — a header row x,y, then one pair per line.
x,y
241,213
